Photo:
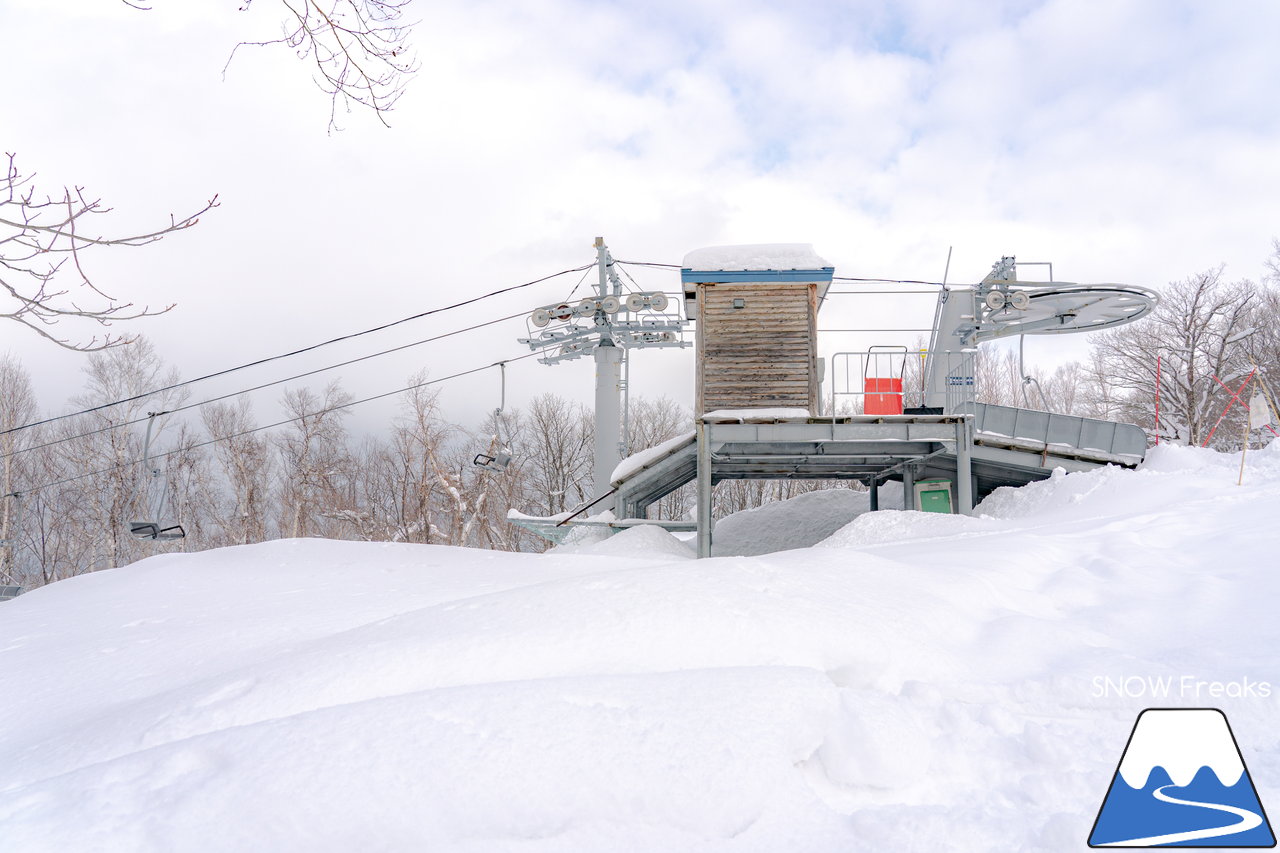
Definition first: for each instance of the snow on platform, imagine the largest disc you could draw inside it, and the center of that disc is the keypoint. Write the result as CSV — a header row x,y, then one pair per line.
x,y
757,416
915,683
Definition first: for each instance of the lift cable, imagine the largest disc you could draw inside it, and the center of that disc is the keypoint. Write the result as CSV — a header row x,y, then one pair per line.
x,y
648,264
834,278
220,398
298,351
285,422
888,280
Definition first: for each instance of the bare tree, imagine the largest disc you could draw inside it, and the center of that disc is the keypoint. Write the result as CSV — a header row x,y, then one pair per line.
x,y
1003,378
1272,263
17,406
1199,331
409,491
557,440
1263,345
314,459
106,488
1063,390
653,422
246,465
997,376
43,278
358,50
506,489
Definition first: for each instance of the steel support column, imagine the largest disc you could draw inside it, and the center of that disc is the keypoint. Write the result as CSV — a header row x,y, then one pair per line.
x,y
964,466
608,417
705,522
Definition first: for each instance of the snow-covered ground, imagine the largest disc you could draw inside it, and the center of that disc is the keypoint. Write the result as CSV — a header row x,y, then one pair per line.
x,y
913,683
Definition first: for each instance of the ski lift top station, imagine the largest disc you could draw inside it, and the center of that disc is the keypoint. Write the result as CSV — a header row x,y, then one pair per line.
x,y
760,395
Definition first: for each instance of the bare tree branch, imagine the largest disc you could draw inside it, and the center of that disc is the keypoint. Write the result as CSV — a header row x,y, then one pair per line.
x,y
359,50
38,236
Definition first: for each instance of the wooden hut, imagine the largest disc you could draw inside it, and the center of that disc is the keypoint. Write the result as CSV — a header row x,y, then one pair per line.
x,y
756,309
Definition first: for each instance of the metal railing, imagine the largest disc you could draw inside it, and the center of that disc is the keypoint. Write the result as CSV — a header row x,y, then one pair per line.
x,y
961,385
888,380
870,382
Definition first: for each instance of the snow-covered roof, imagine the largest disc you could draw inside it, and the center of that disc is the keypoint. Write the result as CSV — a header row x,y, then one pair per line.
x,y
756,256
758,263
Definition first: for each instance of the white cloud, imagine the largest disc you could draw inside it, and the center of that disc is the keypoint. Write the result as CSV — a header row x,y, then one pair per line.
x,y
1131,141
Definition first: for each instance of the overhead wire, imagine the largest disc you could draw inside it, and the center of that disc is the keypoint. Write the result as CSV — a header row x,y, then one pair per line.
x,y
834,278
269,359
584,268
888,280
648,264
579,284
220,398
284,422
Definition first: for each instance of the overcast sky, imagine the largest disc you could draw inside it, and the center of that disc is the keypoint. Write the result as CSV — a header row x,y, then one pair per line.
x,y
1125,141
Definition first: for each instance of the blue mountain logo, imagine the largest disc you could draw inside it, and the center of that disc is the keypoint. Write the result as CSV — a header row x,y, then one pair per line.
x,y
1182,782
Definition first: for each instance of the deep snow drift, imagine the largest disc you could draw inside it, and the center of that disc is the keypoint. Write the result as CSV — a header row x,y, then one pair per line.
x,y
913,682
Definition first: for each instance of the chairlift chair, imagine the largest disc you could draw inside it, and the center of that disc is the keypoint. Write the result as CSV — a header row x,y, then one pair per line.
x,y
156,489
498,456
497,462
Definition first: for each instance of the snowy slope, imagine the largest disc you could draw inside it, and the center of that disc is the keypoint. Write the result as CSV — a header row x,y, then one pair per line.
x,y
915,682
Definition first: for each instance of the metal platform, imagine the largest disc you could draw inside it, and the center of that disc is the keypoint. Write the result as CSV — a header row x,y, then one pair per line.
x,y
979,449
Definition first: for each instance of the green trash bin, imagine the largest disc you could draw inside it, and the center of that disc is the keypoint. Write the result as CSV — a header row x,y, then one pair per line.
x,y
934,495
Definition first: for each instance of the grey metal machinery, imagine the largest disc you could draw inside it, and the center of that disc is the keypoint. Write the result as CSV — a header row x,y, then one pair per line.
x,y
1002,306
606,326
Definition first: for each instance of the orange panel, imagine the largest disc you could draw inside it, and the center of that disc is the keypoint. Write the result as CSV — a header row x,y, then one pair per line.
x,y
883,396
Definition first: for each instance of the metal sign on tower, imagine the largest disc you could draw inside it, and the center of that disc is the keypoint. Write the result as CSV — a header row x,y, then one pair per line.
x,y
606,326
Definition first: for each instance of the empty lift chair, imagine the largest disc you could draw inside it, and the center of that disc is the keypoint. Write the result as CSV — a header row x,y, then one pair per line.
x,y
498,456
155,527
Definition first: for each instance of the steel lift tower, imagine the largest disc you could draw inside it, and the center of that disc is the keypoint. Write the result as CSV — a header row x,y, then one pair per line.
x,y
606,326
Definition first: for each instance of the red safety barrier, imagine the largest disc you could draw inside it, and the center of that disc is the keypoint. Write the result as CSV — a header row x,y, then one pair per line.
x,y
883,396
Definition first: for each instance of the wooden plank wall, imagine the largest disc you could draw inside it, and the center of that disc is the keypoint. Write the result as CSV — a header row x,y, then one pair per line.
x,y
761,355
